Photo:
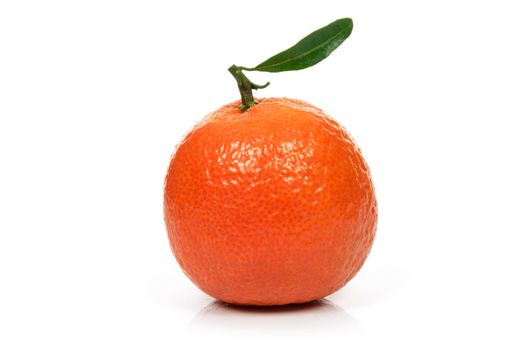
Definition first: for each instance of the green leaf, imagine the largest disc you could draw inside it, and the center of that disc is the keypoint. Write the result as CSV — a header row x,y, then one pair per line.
x,y
310,50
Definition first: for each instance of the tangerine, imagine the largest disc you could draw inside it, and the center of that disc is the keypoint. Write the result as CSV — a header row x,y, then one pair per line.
x,y
270,206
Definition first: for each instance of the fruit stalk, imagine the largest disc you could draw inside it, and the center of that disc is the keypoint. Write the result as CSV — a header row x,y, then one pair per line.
x,y
245,87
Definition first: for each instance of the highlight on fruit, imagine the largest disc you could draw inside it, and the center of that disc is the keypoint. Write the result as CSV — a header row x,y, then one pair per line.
x,y
269,201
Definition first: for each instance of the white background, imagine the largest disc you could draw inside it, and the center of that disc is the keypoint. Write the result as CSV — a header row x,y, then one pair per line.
x,y
94,95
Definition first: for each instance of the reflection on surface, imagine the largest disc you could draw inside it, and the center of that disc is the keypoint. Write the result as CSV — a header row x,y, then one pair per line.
x,y
316,315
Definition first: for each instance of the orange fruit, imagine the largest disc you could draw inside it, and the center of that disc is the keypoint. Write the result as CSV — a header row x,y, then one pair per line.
x,y
271,206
